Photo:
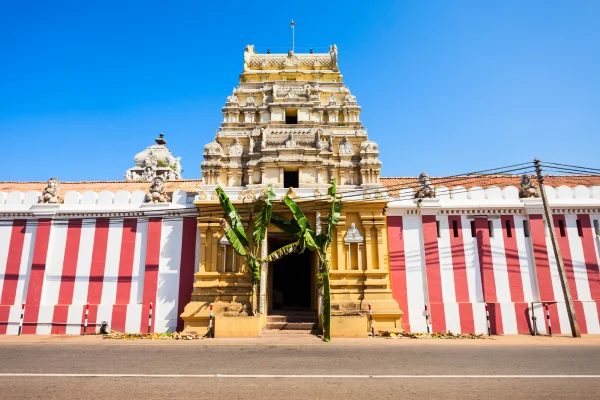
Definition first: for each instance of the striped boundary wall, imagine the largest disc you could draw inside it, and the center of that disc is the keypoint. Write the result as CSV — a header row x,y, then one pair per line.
x,y
456,275
116,265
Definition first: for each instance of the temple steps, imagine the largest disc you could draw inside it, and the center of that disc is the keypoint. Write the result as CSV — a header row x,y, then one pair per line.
x,y
292,322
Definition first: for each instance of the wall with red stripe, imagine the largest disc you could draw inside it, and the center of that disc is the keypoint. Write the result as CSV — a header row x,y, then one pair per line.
x,y
57,259
456,254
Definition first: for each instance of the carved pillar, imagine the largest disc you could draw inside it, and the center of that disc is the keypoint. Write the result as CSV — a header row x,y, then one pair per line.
x,y
281,175
367,225
250,172
379,224
203,227
263,177
340,243
319,174
214,246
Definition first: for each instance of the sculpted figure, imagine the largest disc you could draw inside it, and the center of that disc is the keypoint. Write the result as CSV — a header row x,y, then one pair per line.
x,y
251,149
236,148
528,189
426,189
158,193
178,169
290,142
247,53
332,101
128,175
149,173
345,146
333,53
50,193
353,234
263,138
250,101
275,90
233,99
151,159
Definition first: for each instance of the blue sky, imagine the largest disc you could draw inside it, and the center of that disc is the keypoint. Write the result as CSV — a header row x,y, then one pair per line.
x,y
446,86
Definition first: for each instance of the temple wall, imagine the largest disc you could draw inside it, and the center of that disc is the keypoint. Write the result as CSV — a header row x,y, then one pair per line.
x,y
110,251
463,268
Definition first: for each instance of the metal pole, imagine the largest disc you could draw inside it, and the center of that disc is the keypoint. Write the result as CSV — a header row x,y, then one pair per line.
x,y
534,330
557,254
210,323
85,322
371,318
487,317
150,319
292,36
21,320
548,319
427,318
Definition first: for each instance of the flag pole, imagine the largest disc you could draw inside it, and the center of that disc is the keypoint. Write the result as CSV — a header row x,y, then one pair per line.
x,y
292,25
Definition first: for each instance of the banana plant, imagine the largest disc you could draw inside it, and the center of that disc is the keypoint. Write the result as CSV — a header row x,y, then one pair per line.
x,y
306,238
249,248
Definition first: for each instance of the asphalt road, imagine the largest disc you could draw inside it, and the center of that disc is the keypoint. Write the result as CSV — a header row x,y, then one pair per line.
x,y
323,371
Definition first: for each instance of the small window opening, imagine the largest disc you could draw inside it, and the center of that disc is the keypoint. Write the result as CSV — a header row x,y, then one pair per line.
x,y
597,227
526,228
437,228
579,228
473,230
508,228
561,227
290,179
491,228
291,116
455,228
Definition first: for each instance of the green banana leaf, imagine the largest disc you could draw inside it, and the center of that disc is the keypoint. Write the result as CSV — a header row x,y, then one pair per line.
x,y
286,225
283,251
234,240
299,216
234,217
261,222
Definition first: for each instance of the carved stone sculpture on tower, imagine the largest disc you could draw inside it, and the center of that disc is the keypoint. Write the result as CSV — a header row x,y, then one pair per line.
x,y
155,160
158,193
425,189
51,193
290,142
528,189
333,53
345,146
235,149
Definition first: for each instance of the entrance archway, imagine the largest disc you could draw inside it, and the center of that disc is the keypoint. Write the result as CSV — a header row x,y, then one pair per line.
x,y
290,278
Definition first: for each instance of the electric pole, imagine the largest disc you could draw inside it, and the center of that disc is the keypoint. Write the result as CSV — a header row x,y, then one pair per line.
x,y
557,254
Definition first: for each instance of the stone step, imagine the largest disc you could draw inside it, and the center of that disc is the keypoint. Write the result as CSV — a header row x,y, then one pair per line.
x,y
277,332
295,326
292,318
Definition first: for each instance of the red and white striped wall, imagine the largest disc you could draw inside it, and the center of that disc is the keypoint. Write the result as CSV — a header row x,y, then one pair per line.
x,y
116,265
456,273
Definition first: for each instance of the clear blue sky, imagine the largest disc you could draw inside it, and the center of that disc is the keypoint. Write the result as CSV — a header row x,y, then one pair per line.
x,y
446,86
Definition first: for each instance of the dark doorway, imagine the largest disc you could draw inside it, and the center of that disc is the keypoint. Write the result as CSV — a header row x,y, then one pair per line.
x,y
291,278
290,179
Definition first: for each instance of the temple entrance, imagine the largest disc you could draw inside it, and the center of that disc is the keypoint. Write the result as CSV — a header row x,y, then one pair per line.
x,y
290,279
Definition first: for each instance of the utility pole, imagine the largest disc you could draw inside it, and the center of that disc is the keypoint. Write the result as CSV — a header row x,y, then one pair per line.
x,y
559,260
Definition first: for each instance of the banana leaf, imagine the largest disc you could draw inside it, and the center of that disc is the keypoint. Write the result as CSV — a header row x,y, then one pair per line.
x,y
286,225
299,216
283,251
261,222
234,217
234,241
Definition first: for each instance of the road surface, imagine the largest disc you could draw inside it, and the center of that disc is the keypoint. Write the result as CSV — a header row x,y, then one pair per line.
x,y
373,369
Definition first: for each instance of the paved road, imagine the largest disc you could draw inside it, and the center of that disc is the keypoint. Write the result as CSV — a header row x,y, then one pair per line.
x,y
355,363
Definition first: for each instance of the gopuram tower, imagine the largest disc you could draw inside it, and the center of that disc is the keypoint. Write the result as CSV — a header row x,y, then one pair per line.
x,y
291,122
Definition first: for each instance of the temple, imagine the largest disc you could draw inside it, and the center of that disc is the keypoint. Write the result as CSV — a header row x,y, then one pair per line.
x,y
293,123
424,253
